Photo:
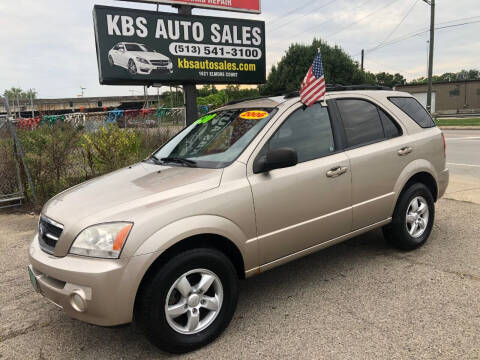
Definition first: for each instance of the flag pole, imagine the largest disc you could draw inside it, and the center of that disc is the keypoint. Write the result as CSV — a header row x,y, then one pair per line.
x,y
323,102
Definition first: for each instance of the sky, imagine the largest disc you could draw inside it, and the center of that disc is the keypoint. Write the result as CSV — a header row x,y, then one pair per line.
x,y
49,45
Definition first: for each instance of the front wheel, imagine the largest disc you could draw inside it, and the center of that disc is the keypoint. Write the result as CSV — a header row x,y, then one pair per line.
x,y
132,68
413,218
189,301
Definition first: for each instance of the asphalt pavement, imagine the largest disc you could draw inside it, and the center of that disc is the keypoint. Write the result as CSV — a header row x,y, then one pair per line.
x,y
357,300
463,160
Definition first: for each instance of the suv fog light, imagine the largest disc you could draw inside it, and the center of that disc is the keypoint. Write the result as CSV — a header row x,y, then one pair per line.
x,y
77,301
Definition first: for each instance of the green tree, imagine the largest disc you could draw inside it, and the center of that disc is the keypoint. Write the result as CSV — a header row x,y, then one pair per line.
x,y
386,79
206,90
288,74
463,75
14,92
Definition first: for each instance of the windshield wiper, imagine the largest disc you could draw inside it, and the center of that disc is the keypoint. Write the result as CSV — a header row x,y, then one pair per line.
x,y
154,159
179,160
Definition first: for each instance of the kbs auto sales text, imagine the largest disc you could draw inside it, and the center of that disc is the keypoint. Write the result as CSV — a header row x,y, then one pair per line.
x,y
184,30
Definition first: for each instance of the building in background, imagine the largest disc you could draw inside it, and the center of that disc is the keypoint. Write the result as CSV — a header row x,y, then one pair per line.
x,y
456,97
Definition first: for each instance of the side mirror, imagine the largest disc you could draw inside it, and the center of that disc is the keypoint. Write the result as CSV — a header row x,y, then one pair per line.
x,y
276,159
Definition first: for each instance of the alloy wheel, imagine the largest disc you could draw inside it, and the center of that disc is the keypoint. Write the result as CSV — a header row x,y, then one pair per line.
x,y
194,301
132,68
417,216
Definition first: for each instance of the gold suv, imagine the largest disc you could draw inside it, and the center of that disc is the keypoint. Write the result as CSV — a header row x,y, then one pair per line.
x,y
246,188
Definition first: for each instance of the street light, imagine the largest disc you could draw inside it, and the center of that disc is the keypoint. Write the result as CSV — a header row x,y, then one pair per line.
x,y
430,54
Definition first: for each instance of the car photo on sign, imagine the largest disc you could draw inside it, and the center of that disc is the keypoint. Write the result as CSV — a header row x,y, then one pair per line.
x,y
138,59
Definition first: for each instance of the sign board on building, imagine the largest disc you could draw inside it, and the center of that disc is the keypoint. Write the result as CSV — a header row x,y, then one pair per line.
x,y
248,6
138,47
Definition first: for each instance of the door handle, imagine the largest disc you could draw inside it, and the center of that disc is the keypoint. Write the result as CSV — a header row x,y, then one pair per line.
x,y
405,151
337,171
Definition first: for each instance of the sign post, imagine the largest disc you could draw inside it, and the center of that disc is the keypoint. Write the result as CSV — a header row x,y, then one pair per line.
x,y
189,90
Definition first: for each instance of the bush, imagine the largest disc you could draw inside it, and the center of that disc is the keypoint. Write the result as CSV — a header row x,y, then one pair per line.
x,y
8,178
50,155
110,148
61,155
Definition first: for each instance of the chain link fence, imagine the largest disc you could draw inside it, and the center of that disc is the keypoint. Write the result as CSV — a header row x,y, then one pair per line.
x,y
11,190
53,148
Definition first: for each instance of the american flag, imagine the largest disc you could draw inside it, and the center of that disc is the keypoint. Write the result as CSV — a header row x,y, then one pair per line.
x,y
313,86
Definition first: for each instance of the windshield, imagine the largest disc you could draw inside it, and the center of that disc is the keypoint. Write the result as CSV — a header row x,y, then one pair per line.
x,y
136,47
217,139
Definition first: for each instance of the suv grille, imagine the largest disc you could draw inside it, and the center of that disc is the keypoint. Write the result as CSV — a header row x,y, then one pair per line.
x,y
49,232
159,62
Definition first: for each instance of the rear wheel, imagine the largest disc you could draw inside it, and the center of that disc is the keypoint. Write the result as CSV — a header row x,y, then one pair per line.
x,y
189,301
413,218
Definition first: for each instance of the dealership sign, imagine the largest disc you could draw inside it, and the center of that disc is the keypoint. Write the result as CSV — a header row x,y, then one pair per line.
x,y
147,47
249,6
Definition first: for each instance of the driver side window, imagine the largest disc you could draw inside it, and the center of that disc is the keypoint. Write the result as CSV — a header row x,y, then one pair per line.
x,y
308,131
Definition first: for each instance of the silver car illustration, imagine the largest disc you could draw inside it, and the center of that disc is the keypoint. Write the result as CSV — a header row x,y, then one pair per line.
x,y
138,58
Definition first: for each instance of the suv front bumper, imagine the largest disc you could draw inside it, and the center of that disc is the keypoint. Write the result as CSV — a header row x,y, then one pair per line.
x,y
96,291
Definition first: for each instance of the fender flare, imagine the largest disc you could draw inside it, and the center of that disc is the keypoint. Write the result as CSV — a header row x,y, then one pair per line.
x,y
413,168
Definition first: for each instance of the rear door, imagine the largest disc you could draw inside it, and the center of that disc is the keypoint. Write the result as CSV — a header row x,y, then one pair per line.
x,y
378,153
307,204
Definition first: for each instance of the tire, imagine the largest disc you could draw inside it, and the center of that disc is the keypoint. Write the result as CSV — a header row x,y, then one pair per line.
x,y
110,60
172,334
414,206
132,68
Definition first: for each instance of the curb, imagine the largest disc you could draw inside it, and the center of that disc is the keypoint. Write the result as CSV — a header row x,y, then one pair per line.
x,y
459,127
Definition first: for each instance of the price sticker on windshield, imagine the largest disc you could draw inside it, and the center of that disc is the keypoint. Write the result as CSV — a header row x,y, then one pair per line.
x,y
253,115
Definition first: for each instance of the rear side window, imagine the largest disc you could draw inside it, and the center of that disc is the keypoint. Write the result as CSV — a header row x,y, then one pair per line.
x,y
361,122
414,110
391,129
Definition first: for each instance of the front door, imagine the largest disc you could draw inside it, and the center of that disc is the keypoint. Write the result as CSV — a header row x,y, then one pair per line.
x,y
307,204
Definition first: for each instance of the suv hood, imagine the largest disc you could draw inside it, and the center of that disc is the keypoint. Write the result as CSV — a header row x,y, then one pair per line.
x,y
120,195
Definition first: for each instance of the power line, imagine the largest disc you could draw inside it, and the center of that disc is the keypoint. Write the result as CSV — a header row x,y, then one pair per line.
x,y
314,9
414,34
363,18
400,23
291,12
324,22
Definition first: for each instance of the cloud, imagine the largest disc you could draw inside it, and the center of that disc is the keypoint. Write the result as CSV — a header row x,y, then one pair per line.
x,y
49,45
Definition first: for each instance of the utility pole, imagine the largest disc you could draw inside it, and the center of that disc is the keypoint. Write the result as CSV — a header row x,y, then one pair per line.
x,y
145,105
430,53
189,90
363,57
31,103
19,109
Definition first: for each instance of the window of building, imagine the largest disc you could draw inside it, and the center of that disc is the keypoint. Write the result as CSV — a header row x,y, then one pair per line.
x,y
307,131
361,121
414,110
455,92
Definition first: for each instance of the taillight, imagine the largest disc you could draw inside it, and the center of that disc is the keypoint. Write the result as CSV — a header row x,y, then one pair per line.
x,y
444,146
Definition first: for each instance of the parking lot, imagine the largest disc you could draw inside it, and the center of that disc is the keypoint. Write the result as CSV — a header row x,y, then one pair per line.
x,y
357,300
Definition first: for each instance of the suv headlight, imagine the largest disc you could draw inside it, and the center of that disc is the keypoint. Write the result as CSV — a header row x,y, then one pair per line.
x,y
103,240
142,60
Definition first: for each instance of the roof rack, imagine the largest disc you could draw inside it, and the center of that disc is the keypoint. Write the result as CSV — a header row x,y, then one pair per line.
x,y
233,102
338,87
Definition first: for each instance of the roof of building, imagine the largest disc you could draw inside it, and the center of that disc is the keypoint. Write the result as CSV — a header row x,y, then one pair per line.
x,y
459,82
